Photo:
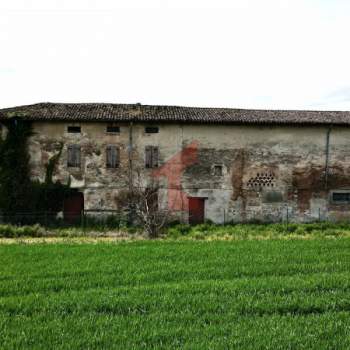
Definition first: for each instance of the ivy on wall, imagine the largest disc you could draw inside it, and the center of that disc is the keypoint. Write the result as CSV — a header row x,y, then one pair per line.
x,y
51,165
19,195
15,184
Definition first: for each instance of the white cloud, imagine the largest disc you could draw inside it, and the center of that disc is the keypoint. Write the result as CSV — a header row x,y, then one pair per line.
x,y
252,54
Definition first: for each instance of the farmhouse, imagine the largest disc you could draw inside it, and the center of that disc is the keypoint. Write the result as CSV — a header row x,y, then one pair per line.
x,y
218,164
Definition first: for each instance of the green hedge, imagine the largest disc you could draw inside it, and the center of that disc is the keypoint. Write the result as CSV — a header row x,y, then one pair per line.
x,y
11,231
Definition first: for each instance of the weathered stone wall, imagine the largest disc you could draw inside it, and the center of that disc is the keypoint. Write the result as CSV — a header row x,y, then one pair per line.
x,y
265,169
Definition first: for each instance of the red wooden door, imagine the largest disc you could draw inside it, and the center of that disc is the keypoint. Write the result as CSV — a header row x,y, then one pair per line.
x,y
73,207
196,210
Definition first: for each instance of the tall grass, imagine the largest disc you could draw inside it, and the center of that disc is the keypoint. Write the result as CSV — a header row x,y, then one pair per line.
x,y
186,232
263,231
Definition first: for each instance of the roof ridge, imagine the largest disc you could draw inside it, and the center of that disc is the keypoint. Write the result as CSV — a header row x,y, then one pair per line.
x,y
48,103
165,113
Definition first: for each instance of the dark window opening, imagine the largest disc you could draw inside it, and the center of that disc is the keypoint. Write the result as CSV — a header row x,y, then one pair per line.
x,y
112,157
74,156
151,159
113,129
74,129
151,129
341,197
217,170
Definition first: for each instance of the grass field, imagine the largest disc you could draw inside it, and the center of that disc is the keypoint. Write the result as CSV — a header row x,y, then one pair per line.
x,y
248,294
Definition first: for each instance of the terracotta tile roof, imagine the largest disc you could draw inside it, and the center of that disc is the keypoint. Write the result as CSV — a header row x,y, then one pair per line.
x,y
147,113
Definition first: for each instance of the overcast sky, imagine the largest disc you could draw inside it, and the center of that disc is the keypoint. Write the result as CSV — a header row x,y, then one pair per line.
x,y
225,53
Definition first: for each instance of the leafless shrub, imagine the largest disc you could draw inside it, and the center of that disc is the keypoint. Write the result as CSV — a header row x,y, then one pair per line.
x,y
141,205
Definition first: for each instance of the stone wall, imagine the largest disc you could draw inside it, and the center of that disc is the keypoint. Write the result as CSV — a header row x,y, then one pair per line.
x,y
265,170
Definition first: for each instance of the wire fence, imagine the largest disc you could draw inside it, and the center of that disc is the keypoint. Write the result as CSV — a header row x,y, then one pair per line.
x,y
117,219
87,218
281,214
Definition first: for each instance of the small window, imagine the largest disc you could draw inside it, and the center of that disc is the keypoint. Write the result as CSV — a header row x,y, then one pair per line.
x,y
112,157
151,157
151,129
74,156
74,129
341,197
113,129
217,170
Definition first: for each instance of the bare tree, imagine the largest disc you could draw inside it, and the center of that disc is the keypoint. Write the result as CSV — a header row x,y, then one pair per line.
x,y
141,204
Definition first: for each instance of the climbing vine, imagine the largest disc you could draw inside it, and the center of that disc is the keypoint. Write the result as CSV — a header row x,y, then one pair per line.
x,y
20,197
15,184
51,165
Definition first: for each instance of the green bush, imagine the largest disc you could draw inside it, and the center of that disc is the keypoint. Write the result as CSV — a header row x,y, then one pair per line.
x,y
11,231
178,230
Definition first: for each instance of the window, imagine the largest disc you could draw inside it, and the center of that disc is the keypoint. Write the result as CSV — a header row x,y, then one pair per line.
x,y
74,129
341,197
113,129
112,157
151,129
74,156
151,158
217,170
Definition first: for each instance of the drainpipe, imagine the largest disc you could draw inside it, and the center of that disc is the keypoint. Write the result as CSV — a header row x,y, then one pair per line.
x,y
130,151
327,158
130,214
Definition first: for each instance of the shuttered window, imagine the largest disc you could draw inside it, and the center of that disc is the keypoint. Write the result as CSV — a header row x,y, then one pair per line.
x,y
151,158
112,157
74,156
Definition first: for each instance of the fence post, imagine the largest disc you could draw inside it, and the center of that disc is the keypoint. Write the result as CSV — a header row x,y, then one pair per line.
x,y
83,219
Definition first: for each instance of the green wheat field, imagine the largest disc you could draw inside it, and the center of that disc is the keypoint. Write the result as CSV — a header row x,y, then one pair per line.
x,y
248,294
